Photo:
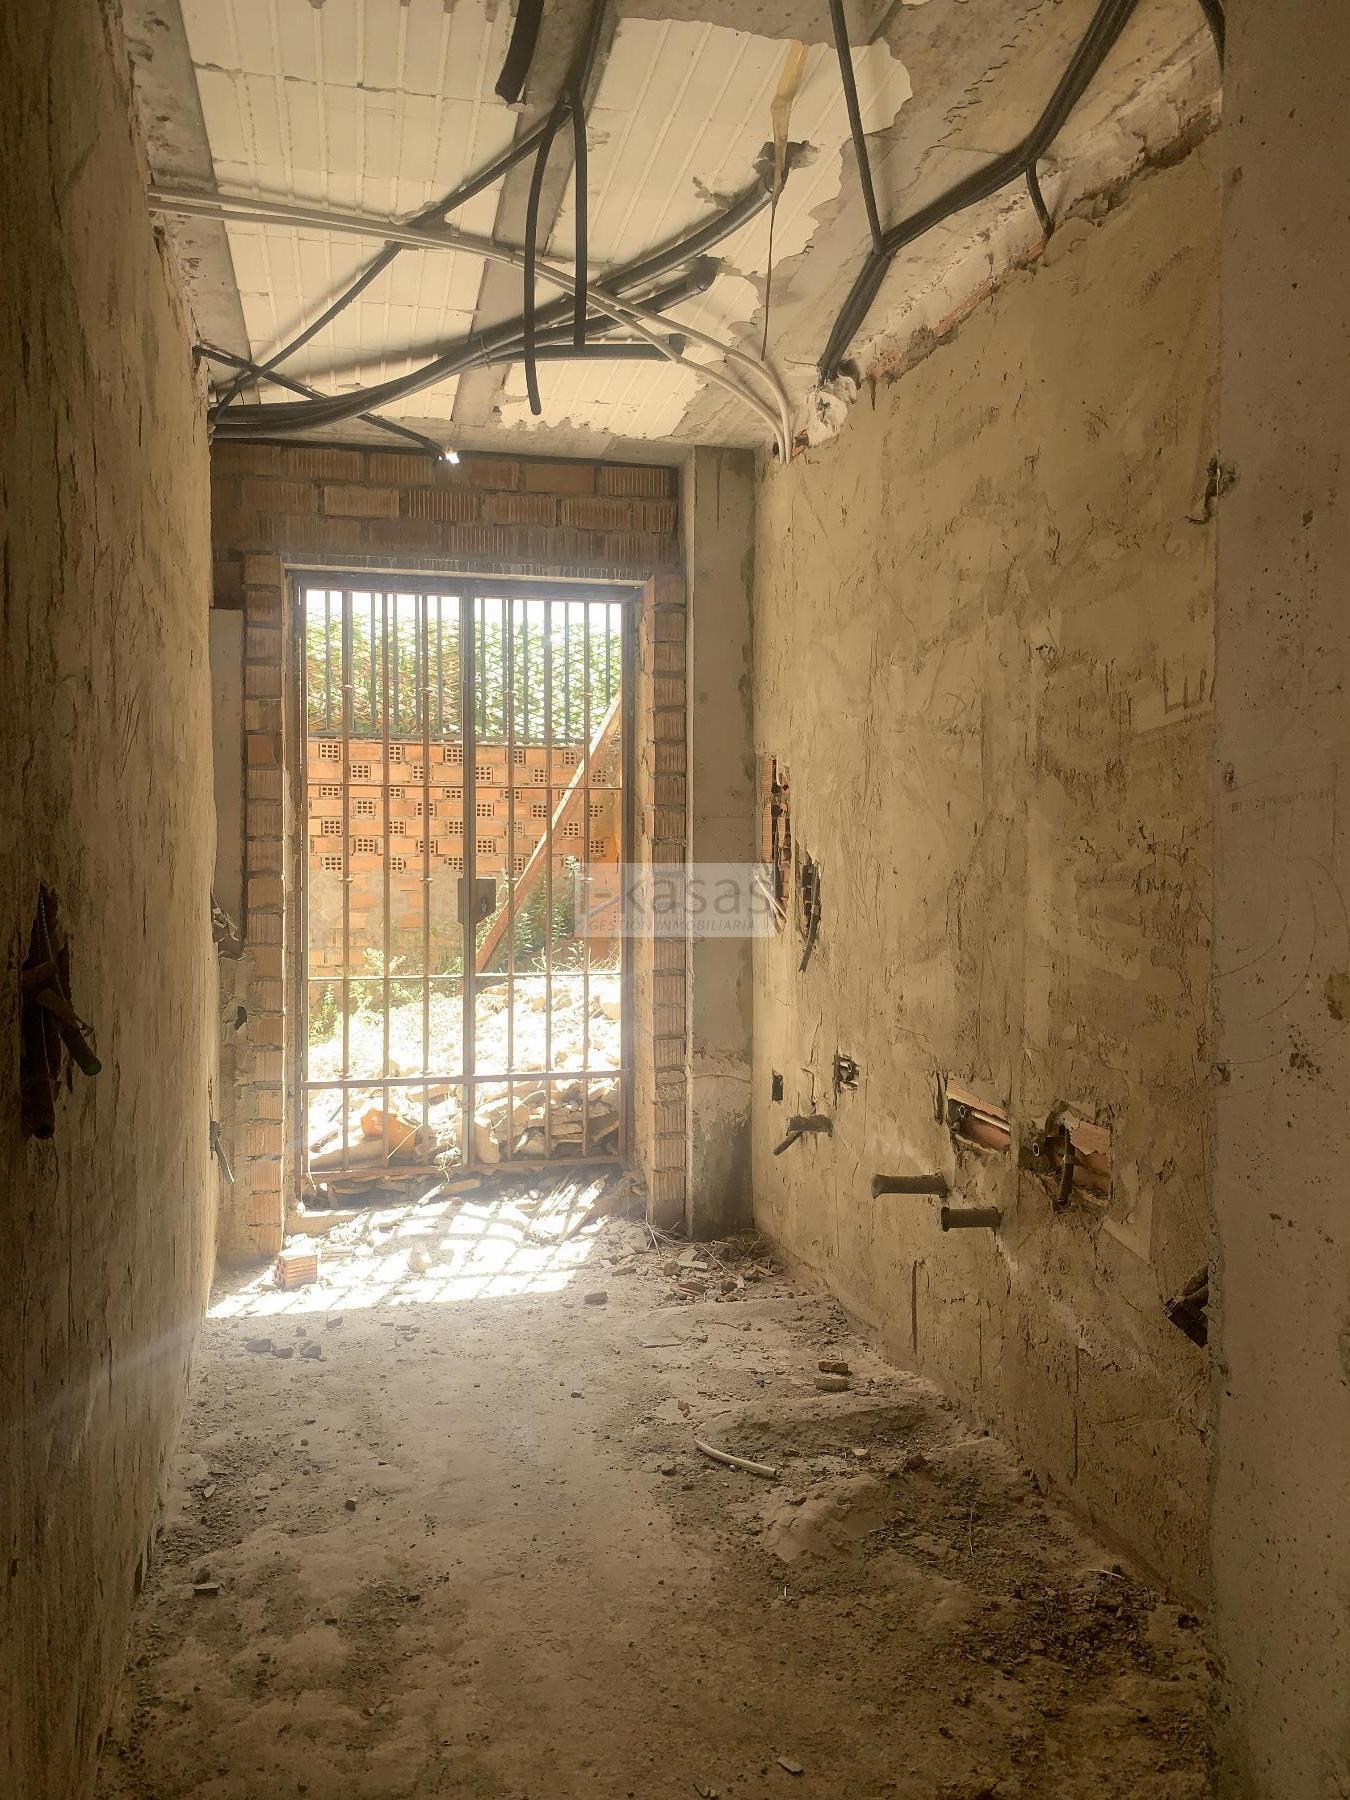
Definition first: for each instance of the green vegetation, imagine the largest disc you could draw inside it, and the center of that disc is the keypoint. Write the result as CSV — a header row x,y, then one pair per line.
x,y
532,677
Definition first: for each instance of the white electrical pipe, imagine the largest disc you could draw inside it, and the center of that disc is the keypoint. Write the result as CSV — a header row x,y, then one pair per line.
x,y
447,237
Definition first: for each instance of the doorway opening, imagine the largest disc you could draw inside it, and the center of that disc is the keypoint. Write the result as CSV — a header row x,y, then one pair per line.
x,y
466,814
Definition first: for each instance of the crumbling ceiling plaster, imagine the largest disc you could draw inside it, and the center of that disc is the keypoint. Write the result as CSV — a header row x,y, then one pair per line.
x,y
383,105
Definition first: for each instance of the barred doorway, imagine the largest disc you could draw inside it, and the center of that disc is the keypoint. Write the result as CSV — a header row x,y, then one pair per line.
x,y
467,791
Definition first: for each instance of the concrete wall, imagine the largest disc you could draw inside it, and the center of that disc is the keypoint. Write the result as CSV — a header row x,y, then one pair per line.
x,y
718,521
1282,949
106,1228
983,648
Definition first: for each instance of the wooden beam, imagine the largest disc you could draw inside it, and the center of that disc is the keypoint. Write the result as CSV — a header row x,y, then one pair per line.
x,y
573,796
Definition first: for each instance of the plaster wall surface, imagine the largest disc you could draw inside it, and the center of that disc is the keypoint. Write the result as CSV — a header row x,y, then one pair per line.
x,y
106,1228
1282,949
718,519
983,649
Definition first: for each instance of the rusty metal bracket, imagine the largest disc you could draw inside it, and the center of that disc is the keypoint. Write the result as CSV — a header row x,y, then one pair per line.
x,y
798,1127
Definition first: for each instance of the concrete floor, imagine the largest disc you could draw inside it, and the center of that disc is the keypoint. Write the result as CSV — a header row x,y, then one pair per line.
x,y
466,1546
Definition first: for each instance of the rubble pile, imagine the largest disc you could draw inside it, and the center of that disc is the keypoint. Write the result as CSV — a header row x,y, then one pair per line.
x,y
568,1114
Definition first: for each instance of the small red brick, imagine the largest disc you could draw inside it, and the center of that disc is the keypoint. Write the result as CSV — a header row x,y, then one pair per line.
x,y
360,502
558,477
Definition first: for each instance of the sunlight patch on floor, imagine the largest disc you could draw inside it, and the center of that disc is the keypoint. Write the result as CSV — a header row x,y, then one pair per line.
x,y
441,1248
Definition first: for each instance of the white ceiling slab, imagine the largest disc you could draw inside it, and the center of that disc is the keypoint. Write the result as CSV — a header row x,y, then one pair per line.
x,y
681,114
386,105
379,105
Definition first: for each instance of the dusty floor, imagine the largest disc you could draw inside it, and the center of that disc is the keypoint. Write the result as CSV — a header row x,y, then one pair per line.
x,y
466,1546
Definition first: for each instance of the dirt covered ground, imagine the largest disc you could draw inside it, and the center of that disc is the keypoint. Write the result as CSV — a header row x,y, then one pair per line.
x,y
465,1545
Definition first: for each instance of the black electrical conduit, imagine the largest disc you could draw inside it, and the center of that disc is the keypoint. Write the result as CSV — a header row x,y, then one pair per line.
x,y
520,51
260,423
503,344
555,347
849,80
1217,21
1016,164
570,101
259,372
621,283
582,206
431,215
630,281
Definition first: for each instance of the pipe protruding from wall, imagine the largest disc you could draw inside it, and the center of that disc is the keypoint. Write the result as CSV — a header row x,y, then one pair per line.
x,y
909,1184
970,1218
798,1126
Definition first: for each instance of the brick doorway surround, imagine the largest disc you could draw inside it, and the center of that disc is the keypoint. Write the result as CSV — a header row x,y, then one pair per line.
x,y
276,508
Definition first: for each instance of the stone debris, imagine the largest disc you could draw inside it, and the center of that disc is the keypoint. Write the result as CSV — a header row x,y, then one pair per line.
x,y
260,1346
830,1366
599,1298
833,1384
313,1352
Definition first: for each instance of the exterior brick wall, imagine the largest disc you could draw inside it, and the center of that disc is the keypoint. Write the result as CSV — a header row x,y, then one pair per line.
x,y
278,508
661,965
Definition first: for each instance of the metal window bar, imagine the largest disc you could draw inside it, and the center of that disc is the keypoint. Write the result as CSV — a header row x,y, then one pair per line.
x,y
327,661
491,690
508,606
386,884
468,712
548,873
346,949
424,666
